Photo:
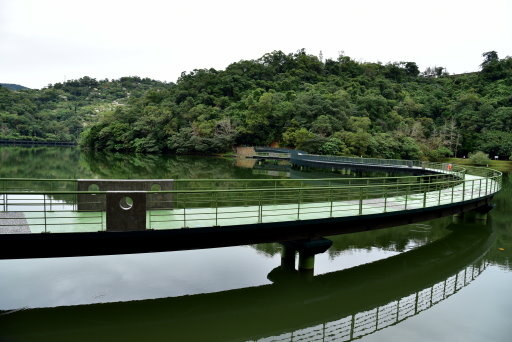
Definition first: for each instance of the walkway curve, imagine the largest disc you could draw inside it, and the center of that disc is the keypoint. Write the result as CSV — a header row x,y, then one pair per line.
x,y
241,212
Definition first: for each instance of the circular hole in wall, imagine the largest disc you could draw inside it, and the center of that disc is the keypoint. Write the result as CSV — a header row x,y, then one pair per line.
x,y
93,187
126,203
156,187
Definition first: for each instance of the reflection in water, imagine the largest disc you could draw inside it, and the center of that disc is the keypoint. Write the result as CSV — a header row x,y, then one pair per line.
x,y
435,264
349,303
392,240
368,322
71,163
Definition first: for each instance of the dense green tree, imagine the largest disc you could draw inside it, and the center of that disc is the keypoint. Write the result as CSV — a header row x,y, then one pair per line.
x,y
340,106
496,143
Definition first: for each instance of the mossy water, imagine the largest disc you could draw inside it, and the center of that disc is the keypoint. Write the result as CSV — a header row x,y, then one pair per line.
x,y
447,277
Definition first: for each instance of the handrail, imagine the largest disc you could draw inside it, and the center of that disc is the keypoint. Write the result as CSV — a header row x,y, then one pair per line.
x,y
348,186
248,202
227,179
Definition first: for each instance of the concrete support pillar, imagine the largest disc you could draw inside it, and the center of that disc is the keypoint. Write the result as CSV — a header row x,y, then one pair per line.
x,y
306,261
307,250
481,216
458,218
306,265
288,258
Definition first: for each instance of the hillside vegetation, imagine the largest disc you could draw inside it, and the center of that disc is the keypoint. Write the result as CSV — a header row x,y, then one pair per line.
x,y
61,111
296,100
13,86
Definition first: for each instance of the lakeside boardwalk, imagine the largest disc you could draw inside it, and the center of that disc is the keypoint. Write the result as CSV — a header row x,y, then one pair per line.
x,y
62,219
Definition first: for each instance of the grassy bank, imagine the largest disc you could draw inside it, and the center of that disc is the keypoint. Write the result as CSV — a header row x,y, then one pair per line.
x,y
500,165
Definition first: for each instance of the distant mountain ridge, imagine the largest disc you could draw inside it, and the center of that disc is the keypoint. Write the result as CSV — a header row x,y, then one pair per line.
x,y
13,86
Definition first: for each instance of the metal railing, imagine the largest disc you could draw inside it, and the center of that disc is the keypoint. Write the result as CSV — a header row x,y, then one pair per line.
x,y
368,322
35,205
304,158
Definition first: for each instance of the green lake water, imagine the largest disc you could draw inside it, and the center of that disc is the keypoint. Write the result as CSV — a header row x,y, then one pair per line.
x,y
448,279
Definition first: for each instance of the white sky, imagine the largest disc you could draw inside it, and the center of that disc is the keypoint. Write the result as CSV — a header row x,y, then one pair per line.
x,y
48,41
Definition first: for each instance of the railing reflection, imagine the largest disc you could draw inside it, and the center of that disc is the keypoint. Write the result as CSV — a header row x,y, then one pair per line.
x,y
341,305
368,322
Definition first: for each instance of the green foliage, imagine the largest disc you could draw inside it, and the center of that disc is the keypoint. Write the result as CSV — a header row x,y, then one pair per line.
x,y
439,154
335,147
334,107
479,158
493,68
13,86
496,143
61,111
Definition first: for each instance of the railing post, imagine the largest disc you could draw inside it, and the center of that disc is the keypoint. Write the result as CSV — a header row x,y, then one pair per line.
x,y
472,188
101,214
407,196
480,188
486,182
217,209
463,190
352,326
425,199
246,194
385,198
330,196
452,193
148,211
44,210
260,211
275,192
298,204
360,201
184,214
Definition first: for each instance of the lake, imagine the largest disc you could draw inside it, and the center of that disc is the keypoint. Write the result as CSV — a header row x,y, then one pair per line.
x,y
447,279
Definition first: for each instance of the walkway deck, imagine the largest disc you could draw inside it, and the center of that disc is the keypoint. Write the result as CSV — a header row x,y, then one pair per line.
x,y
65,221
218,213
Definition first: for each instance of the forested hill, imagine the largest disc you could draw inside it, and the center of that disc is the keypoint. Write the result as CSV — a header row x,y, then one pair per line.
x,y
61,111
296,100
333,106
13,86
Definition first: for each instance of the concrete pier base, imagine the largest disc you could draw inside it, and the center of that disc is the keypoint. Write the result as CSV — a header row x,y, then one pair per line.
x,y
288,258
307,250
482,213
306,265
306,261
458,218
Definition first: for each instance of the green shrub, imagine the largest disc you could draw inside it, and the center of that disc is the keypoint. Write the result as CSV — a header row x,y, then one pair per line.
x,y
439,154
479,158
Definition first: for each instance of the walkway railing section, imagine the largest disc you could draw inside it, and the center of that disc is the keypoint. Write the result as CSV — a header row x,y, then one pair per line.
x,y
301,158
368,322
35,205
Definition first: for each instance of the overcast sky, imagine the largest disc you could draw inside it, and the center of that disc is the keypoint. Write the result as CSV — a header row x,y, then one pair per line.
x,y
49,41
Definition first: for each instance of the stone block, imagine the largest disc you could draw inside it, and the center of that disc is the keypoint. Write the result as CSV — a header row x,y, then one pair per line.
x,y
93,202
126,211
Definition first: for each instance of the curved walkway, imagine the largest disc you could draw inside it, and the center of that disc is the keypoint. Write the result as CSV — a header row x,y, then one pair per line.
x,y
243,211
